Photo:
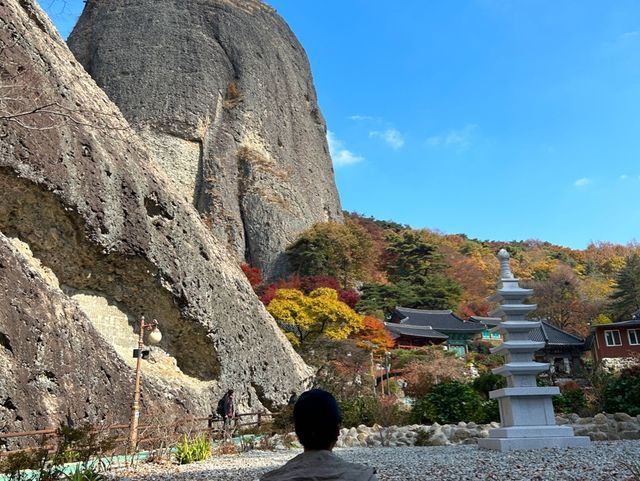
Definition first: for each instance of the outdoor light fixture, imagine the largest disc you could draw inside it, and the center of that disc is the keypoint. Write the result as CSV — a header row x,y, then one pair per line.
x,y
154,337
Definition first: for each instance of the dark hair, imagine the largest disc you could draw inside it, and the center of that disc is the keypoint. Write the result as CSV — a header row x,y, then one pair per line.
x,y
317,418
230,391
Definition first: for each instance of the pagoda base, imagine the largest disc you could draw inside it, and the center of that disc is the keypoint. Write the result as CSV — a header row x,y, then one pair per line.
x,y
513,444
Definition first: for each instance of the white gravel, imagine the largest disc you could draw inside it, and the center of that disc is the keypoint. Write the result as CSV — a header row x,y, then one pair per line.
x,y
602,461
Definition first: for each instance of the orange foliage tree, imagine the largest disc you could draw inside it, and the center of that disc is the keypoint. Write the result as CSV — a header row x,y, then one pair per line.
x,y
374,336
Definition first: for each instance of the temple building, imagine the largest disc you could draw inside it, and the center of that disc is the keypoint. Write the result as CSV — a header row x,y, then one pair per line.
x,y
562,350
412,328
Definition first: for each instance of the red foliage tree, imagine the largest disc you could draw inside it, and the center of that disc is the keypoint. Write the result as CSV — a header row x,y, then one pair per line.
x,y
478,308
306,284
254,275
349,296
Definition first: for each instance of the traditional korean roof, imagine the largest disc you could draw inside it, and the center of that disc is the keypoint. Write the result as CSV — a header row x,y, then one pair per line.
x,y
547,333
630,323
441,320
554,336
397,330
487,321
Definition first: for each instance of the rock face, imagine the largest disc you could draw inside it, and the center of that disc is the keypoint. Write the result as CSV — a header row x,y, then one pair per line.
x,y
93,236
221,91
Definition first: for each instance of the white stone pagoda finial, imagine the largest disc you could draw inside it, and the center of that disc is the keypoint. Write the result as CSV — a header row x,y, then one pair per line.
x,y
505,269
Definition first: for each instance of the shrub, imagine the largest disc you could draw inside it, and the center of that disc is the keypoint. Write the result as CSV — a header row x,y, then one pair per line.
x,y
387,411
422,438
571,399
490,412
369,410
427,367
449,402
622,394
487,382
359,410
88,473
193,449
283,420
83,445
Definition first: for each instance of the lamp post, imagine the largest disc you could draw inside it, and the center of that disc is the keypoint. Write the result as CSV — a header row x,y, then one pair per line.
x,y
387,368
154,337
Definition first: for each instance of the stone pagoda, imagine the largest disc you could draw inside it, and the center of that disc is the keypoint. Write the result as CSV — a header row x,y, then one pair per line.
x,y
526,410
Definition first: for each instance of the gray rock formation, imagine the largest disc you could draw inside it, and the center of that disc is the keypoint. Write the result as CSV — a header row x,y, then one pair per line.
x,y
221,91
93,236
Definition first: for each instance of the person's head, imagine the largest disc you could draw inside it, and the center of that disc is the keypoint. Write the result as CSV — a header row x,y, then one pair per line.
x,y
230,392
317,419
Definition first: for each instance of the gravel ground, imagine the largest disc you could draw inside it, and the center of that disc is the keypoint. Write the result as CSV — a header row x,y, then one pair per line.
x,y
602,461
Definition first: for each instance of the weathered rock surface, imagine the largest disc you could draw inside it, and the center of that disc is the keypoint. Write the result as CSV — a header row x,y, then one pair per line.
x,y
221,91
99,238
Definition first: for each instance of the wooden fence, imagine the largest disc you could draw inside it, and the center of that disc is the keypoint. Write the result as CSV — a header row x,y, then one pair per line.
x,y
149,435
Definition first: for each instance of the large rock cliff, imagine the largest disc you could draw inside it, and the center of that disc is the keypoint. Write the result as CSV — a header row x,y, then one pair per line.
x,y
93,236
221,91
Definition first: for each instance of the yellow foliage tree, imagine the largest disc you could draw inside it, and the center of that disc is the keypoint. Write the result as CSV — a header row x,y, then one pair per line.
x,y
304,318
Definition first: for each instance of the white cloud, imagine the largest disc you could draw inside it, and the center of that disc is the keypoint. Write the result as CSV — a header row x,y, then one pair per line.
x,y
359,118
629,35
624,177
392,137
339,154
460,139
584,181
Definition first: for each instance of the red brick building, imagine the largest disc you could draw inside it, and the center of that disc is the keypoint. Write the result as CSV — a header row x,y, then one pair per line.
x,y
616,340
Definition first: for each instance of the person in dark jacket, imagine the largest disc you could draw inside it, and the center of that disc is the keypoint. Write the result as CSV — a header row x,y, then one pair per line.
x,y
229,413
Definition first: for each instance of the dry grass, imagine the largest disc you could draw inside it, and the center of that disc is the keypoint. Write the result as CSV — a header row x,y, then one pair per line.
x,y
233,96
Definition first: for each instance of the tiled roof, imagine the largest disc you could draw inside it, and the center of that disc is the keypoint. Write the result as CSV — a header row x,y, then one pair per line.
x,y
397,330
630,323
547,332
553,335
487,321
442,320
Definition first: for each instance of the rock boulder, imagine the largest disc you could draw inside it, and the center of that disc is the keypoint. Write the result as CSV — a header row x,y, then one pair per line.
x,y
93,235
222,93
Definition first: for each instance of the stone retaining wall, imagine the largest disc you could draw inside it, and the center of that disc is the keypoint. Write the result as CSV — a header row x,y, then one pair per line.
x,y
601,427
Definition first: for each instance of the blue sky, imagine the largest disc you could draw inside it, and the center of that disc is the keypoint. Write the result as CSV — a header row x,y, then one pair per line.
x,y
499,119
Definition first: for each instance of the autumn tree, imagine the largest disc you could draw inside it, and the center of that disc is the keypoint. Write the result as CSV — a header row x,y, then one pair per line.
x,y
343,251
304,318
417,276
624,302
561,301
374,336
437,366
254,275
306,284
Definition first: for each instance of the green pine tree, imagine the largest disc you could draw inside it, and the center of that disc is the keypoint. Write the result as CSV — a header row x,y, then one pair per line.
x,y
624,302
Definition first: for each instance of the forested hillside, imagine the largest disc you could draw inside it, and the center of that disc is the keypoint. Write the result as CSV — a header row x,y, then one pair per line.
x,y
375,265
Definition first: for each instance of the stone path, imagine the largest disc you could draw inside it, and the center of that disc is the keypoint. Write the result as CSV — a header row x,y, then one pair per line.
x,y
602,461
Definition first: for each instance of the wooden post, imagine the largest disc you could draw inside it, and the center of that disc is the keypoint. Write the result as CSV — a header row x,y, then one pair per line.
x,y
135,407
